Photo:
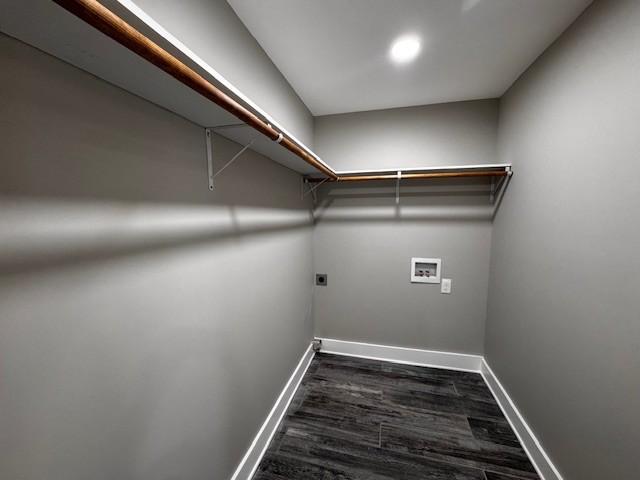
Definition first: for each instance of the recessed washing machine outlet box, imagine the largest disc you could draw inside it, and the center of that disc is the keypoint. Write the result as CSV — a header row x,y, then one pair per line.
x,y
426,270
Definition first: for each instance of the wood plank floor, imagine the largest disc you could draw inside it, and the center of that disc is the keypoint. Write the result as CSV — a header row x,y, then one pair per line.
x,y
354,419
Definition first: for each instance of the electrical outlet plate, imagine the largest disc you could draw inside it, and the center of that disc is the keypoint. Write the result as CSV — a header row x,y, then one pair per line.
x,y
445,287
425,270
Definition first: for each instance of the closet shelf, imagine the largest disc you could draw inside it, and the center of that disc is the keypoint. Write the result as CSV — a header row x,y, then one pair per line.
x,y
464,171
149,62
119,43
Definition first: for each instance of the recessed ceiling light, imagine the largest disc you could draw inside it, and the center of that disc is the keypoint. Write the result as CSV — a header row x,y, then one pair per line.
x,y
405,49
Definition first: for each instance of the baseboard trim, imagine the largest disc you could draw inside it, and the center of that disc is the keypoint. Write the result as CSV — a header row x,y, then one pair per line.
x,y
249,463
541,461
411,356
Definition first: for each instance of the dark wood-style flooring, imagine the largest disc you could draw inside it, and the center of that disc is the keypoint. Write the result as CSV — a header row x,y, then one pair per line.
x,y
354,419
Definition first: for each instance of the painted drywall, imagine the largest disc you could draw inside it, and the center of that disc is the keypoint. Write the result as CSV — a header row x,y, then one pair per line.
x,y
563,328
147,325
459,133
212,30
364,242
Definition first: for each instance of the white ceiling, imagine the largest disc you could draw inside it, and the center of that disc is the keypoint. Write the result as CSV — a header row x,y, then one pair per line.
x,y
334,53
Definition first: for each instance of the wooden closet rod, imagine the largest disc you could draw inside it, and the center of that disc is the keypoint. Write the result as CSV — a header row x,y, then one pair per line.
x,y
103,19
413,176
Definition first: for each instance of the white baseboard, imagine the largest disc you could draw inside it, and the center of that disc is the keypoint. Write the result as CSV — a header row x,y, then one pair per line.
x,y
256,451
411,356
541,461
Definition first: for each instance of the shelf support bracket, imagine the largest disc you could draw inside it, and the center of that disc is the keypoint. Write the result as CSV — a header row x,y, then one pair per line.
x,y
398,187
207,133
314,188
211,174
492,192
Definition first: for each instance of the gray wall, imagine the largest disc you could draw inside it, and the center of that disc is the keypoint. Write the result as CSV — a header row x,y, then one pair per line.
x,y
364,242
459,133
212,30
563,329
139,336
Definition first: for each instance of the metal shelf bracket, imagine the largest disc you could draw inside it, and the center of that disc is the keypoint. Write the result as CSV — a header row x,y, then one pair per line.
x,y
207,134
313,189
492,192
210,172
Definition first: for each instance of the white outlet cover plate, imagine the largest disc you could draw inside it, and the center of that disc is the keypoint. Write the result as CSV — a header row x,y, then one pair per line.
x,y
445,287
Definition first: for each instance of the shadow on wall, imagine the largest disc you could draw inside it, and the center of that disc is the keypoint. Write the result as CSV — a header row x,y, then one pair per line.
x,y
61,233
166,205
442,200
89,173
